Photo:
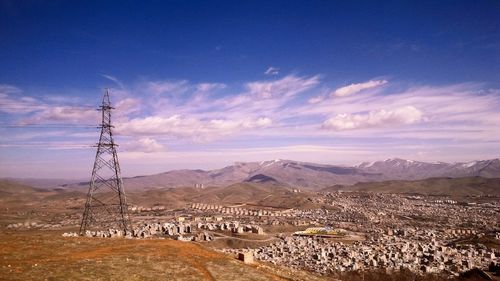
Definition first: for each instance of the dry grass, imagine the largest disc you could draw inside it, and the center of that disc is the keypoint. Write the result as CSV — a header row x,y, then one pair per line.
x,y
44,255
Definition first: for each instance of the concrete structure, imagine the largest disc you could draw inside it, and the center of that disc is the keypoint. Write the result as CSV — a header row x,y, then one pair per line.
x,y
246,257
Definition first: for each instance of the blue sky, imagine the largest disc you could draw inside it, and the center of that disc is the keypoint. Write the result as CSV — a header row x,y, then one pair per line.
x,y
204,84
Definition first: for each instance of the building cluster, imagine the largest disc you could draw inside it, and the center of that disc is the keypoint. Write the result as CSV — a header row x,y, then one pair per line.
x,y
382,210
238,211
33,224
234,227
392,253
199,186
200,231
447,201
417,232
139,209
178,231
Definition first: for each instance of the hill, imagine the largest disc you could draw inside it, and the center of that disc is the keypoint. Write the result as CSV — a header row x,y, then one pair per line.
x,y
43,183
52,257
468,186
8,187
261,194
267,193
260,178
12,193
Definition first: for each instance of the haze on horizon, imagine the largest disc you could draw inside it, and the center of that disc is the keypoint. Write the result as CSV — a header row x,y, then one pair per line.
x,y
202,85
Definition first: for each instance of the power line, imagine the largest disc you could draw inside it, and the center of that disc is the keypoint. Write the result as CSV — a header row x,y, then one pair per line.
x,y
55,125
42,106
48,145
15,102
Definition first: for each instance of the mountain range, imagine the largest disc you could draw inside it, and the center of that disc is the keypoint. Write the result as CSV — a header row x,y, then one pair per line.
x,y
296,174
313,176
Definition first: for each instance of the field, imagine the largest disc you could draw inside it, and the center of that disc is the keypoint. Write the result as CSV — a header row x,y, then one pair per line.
x,y
46,255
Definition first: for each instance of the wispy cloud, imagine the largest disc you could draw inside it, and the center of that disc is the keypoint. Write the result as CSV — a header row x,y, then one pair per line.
x,y
208,87
316,99
355,88
12,101
113,79
66,114
127,105
167,87
33,110
288,86
145,145
188,127
379,118
272,71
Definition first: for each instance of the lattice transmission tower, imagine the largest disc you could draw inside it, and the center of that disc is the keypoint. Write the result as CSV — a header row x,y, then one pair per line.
x,y
106,205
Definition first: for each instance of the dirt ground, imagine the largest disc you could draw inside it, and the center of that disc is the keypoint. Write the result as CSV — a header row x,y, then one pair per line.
x,y
46,255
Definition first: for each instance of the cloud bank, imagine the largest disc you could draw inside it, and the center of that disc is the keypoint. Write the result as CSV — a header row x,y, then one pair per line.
x,y
378,118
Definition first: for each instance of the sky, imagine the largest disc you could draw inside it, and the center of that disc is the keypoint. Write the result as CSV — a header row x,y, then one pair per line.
x,y
204,84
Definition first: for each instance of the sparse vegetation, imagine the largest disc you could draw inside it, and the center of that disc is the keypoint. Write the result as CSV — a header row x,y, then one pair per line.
x,y
30,255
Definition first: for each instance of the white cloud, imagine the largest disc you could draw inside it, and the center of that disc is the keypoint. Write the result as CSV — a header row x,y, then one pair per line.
x,y
316,99
66,114
167,87
188,127
263,122
8,89
12,102
127,106
114,79
207,87
33,111
355,88
285,87
146,145
60,99
380,118
272,71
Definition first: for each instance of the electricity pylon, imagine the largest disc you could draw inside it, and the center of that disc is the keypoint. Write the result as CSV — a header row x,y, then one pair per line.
x,y
106,205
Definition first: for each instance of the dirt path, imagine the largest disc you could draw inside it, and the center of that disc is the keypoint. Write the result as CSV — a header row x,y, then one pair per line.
x,y
224,236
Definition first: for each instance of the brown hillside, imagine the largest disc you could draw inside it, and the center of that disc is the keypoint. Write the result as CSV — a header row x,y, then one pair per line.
x,y
48,256
271,195
10,188
469,186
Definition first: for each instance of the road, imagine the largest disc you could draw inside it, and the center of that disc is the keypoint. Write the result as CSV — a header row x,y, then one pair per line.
x,y
217,235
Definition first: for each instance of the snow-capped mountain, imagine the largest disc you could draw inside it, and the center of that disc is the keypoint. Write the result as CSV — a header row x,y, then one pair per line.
x,y
314,176
396,168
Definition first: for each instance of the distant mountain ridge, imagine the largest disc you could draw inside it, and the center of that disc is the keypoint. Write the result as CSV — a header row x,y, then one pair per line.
x,y
412,170
304,175
465,186
316,176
